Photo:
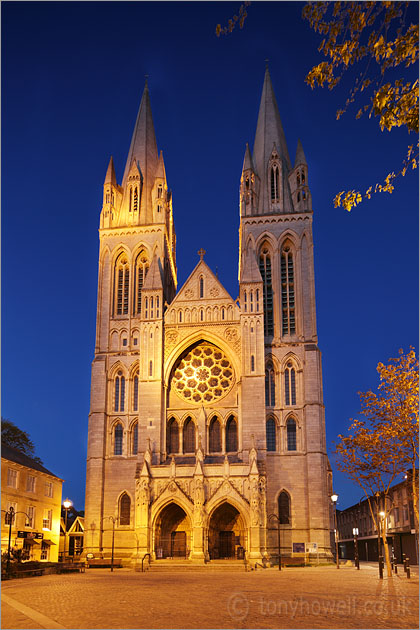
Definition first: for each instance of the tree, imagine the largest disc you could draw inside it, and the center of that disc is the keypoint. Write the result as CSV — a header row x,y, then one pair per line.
x,y
12,436
385,443
237,19
374,36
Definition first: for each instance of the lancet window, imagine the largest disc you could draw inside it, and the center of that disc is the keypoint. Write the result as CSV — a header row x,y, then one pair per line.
x,y
284,508
136,392
125,505
270,386
231,435
135,439
265,270
121,286
172,436
215,436
274,183
287,292
290,384
119,392
118,439
140,270
291,434
188,442
135,199
270,432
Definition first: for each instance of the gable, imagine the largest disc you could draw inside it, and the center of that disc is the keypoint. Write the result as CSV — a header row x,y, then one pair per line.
x,y
210,292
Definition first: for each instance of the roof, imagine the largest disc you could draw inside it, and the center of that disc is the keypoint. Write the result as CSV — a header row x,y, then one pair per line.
x,y
13,455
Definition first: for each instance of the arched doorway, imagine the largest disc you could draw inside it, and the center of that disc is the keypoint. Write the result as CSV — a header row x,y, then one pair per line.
x,y
172,533
227,537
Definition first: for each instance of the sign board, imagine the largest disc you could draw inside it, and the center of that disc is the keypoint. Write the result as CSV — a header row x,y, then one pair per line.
x,y
298,547
30,535
311,547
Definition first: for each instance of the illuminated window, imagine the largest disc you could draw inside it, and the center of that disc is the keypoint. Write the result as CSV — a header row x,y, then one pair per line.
x,y
270,390
287,292
231,435
291,434
270,432
140,270
215,436
290,384
265,270
284,508
135,199
119,392
136,393
30,483
30,520
274,180
125,505
49,489
12,478
47,520
188,441
118,439
121,286
135,439
130,203
172,436
44,550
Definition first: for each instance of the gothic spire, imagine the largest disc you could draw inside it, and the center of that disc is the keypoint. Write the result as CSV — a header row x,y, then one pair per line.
x,y
247,165
110,177
300,156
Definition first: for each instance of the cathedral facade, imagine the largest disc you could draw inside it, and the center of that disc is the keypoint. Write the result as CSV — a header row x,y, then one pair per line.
x,y
206,428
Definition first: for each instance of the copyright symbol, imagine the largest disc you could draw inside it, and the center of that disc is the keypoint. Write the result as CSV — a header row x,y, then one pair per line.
x,y
238,606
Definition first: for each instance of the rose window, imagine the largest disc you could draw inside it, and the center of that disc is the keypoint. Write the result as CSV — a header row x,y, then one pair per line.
x,y
203,374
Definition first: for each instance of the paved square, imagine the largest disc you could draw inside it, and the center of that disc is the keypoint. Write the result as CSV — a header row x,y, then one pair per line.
x,y
321,597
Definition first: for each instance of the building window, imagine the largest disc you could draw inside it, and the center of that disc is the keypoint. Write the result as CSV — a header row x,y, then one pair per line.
x,y
121,286
47,520
12,478
30,519
270,389
119,392
135,439
136,199
172,436
265,270
291,434
396,515
270,432
48,492
140,270
252,362
287,292
125,505
189,437
284,508
290,384
201,287
231,435
159,191
30,483
274,181
136,393
118,440
215,436
44,551
150,368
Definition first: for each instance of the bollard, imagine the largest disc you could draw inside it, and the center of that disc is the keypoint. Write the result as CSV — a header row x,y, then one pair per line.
x,y
396,569
407,566
381,567
408,572
392,563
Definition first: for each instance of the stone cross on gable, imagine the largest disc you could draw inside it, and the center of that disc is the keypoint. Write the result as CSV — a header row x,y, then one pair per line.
x,y
201,253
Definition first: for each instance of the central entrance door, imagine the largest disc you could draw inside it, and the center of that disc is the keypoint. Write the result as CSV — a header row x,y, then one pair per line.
x,y
226,544
226,533
178,544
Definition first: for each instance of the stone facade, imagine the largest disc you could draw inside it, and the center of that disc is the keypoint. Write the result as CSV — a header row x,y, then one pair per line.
x,y
207,425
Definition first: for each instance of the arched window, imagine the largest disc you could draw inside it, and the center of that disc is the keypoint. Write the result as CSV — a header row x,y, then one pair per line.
x,y
119,392
284,508
188,438
287,292
290,384
140,270
136,392
135,442
201,287
121,285
265,270
215,436
270,433
130,203
252,362
159,191
118,439
135,199
274,181
124,510
172,436
231,435
270,388
291,434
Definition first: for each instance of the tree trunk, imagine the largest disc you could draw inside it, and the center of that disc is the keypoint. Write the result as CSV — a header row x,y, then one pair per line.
x,y
387,558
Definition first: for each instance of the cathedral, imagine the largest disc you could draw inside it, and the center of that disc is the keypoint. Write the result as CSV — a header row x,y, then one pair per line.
x,y
206,429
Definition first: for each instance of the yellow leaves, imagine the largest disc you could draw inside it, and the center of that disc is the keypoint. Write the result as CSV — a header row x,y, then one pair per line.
x,y
350,200
233,21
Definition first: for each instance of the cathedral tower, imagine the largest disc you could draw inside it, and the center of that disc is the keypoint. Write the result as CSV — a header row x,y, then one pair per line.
x,y
207,419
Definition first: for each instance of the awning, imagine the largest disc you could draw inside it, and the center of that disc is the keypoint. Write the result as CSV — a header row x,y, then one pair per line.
x,y
30,541
48,542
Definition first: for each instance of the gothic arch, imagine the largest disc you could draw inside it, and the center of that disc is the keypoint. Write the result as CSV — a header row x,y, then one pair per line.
x,y
291,236
118,251
105,253
291,356
235,500
268,239
276,503
180,499
112,372
134,367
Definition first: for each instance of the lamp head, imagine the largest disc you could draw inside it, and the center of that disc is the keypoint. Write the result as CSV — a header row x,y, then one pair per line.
x,y
334,498
382,514
67,504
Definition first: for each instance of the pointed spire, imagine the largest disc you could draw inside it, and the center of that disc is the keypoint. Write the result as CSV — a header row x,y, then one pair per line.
x,y
160,171
249,270
154,276
143,149
247,165
110,177
300,156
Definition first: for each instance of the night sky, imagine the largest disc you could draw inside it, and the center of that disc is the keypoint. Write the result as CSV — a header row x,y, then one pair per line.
x,y
72,78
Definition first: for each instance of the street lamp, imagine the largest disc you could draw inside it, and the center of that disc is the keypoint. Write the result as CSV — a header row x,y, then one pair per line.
x,y
278,536
334,498
114,520
67,504
356,547
9,519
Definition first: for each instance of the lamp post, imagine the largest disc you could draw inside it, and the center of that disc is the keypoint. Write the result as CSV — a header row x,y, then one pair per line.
x,y
114,520
278,535
9,520
334,498
66,505
356,547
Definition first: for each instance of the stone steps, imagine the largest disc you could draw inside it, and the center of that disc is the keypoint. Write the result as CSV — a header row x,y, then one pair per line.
x,y
188,565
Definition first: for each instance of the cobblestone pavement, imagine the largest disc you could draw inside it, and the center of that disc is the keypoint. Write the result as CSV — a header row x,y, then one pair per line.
x,y
313,597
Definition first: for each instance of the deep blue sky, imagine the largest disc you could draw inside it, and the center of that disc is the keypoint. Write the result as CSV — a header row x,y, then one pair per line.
x,y
72,79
